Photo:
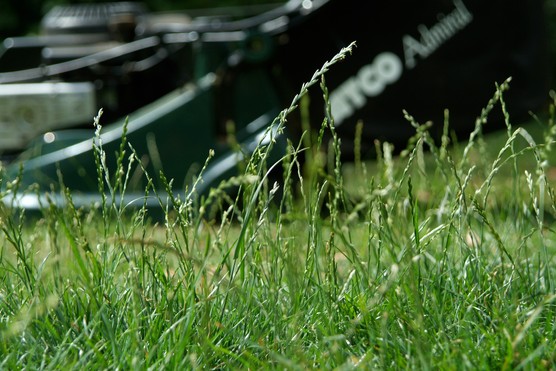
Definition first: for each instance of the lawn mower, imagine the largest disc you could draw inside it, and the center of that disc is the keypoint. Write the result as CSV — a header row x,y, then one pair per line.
x,y
180,84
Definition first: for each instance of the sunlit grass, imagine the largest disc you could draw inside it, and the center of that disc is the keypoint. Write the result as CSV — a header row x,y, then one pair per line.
x,y
440,257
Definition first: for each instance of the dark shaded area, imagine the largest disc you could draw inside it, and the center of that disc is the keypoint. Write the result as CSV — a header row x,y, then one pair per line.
x,y
503,39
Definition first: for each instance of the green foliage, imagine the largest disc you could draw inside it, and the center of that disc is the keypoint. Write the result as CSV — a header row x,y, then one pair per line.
x,y
434,259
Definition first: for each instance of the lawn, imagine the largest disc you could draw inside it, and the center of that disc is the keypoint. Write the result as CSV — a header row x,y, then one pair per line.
x,y
441,256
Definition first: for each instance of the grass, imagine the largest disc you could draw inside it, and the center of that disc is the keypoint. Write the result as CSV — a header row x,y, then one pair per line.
x,y
441,257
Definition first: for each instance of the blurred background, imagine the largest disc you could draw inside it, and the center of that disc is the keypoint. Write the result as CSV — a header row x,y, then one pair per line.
x,y
22,17
506,38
